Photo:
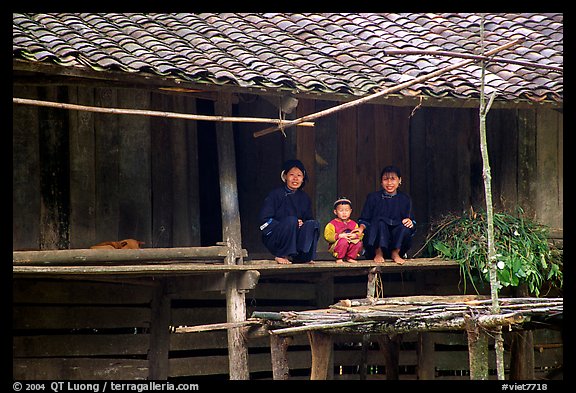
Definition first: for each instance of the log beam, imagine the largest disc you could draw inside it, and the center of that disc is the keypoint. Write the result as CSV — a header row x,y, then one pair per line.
x,y
103,256
279,354
321,348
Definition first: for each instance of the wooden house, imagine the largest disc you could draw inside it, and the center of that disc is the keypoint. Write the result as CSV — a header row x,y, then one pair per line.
x,y
150,126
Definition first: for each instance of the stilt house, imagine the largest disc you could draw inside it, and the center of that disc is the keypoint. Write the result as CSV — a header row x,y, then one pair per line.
x,y
171,128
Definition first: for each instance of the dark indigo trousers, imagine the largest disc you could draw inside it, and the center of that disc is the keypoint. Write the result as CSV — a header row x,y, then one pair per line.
x,y
388,238
289,240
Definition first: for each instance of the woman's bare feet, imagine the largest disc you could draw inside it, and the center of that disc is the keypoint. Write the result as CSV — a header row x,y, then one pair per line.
x,y
379,257
283,261
395,254
339,261
351,260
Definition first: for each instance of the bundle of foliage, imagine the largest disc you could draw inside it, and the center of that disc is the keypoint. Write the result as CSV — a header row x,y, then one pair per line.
x,y
523,253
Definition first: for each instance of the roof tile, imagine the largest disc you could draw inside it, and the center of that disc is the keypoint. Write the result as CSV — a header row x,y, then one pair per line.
x,y
337,53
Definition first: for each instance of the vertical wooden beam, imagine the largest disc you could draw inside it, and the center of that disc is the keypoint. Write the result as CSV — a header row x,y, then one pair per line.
x,y
231,233
364,357
54,172
502,129
325,298
522,347
371,286
228,183
366,175
193,174
306,148
184,159
347,140
325,290
162,174
419,171
321,347
522,356
107,158
327,168
477,350
82,170
134,169
159,333
527,161
425,355
390,348
548,169
279,354
25,173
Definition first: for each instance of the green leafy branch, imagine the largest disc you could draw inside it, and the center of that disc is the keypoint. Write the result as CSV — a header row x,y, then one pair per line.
x,y
523,252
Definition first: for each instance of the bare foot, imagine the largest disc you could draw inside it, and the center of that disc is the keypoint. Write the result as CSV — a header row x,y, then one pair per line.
x,y
379,257
283,261
351,260
396,257
339,261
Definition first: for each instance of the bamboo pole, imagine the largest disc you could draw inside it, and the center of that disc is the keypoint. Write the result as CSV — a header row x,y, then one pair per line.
x,y
401,52
142,112
486,171
214,326
370,97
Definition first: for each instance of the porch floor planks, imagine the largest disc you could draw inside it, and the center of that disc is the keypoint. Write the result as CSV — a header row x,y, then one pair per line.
x,y
261,265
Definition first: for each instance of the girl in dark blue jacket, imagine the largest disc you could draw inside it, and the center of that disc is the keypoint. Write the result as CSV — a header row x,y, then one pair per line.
x,y
386,220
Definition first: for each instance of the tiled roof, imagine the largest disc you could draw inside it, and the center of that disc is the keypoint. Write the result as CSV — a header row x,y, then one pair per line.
x,y
324,53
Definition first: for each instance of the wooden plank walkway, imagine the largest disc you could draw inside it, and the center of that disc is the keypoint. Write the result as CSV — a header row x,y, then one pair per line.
x,y
186,261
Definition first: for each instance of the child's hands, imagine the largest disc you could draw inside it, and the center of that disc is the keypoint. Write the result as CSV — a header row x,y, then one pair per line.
x,y
348,236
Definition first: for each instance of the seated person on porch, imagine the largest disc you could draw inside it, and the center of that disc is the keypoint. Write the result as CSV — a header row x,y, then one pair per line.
x,y
343,242
386,220
289,230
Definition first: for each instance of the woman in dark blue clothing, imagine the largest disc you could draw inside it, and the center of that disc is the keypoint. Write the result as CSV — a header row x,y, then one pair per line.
x,y
386,220
289,230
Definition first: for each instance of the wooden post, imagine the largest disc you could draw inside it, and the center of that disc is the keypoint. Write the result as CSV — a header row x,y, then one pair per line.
x,y
325,298
364,357
425,354
522,348
278,353
390,348
371,286
159,333
477,350
522,356
321,347
231,233
54,175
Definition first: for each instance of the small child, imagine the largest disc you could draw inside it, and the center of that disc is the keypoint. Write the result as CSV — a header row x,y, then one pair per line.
x,y
341,233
